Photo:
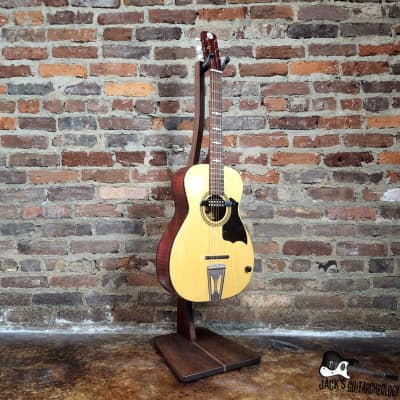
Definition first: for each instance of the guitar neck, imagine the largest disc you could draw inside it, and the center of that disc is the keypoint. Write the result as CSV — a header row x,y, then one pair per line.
x,y
378,374
215,136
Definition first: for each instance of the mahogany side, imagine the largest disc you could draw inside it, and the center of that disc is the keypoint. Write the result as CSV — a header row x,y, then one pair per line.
x,y
167,239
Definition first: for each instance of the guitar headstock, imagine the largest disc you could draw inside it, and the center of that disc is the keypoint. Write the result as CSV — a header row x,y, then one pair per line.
x,y
210,50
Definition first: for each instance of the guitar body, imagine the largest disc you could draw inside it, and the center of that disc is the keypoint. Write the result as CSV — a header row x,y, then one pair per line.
x,y
205,253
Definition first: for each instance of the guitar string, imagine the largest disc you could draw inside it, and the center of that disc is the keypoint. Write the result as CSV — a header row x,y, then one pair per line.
x,y
213,156
216,165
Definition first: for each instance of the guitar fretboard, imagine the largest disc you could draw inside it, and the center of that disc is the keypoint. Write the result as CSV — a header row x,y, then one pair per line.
x,y
215,136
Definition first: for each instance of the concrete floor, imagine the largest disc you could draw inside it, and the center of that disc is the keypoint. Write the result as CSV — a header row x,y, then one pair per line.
x,y
124,366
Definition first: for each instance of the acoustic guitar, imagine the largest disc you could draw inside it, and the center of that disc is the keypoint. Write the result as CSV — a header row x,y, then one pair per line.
x,y
206,253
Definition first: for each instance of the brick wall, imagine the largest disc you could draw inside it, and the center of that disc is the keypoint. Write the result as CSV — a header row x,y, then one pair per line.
x,y
96,103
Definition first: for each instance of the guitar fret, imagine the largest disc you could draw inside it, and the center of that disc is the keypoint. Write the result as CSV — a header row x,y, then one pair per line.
x,y
216,167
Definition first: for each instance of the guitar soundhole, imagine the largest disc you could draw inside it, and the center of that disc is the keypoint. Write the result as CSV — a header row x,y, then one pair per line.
x,y
214,208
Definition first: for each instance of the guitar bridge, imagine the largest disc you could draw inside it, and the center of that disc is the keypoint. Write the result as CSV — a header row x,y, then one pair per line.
x,y
216,275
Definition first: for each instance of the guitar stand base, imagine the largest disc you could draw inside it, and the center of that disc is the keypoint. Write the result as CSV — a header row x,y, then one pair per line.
x,y
208,355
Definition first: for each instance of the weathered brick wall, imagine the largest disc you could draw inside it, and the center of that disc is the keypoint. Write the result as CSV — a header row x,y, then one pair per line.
x,y
96,103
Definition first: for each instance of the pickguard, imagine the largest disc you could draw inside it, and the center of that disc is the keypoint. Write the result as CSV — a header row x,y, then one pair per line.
x,y
233,230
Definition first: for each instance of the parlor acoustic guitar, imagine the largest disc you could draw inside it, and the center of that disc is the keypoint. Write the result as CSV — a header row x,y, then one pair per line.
x,y
206,253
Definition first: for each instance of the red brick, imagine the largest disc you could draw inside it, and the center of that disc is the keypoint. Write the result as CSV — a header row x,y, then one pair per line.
x,y
53,106
55,176
313,67
74,281
336,86
391,49
293,123
142,279
33,160
306,248
318,141
340,122
130,158
271,12
346,159
7,106
280,52
94,246
266,177
324,103
43,247
370,195
72,35
316,302
264,140
249,104
169,107
97,106
221,14
154,175
49,70
74,106
118,34
107,176
25,53
389,157
331,194
37,123
7,123
28,17
269,247
123,192
24,142
123,105
299,212
10,71
365,67
361,249
75,52
328,49
351,104
323,12
135,89
264,69
81,158
258,159
28,106
97,210
3,19
172,16
387,121
275,103
124,18
285,88
368,140
118,69
26,282
282,159
351,213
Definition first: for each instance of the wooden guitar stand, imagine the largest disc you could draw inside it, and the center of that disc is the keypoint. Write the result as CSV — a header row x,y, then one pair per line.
x,y
195,353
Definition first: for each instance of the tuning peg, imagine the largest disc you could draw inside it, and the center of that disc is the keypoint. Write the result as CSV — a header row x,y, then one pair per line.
x,y
225,63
